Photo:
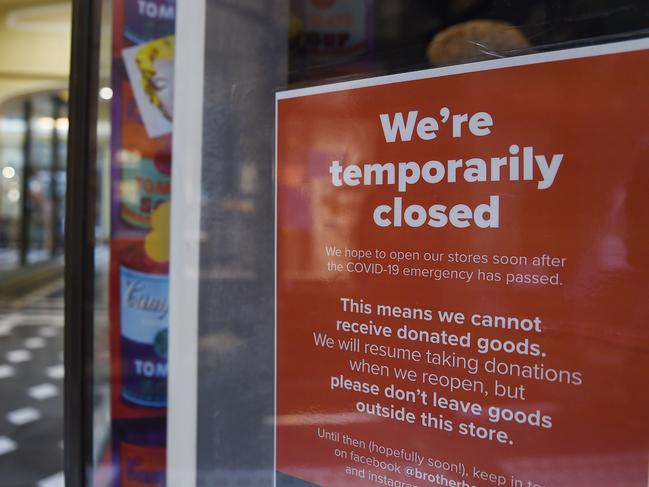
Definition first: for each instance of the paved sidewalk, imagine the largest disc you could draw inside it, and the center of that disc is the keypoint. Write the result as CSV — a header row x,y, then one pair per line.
x,y
31,389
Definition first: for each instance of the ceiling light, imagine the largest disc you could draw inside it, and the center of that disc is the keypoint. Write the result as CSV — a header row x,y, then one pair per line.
x,y
105,93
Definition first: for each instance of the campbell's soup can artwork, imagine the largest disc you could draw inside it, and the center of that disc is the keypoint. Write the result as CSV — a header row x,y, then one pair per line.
x,y
145,185
144,315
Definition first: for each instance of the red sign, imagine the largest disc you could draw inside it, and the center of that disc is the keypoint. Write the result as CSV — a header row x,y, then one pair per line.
x,y
462,272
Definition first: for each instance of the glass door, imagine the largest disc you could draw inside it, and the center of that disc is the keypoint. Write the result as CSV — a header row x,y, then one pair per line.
x,y
372,243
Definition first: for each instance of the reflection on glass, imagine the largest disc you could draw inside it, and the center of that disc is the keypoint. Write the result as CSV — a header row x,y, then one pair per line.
x,y
32,164
12,129
43,228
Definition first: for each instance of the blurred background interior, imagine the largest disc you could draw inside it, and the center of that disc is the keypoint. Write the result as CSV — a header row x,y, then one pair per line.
x,y
391,36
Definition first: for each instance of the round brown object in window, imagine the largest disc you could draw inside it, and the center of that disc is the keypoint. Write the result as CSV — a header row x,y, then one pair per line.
x,y
474,41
